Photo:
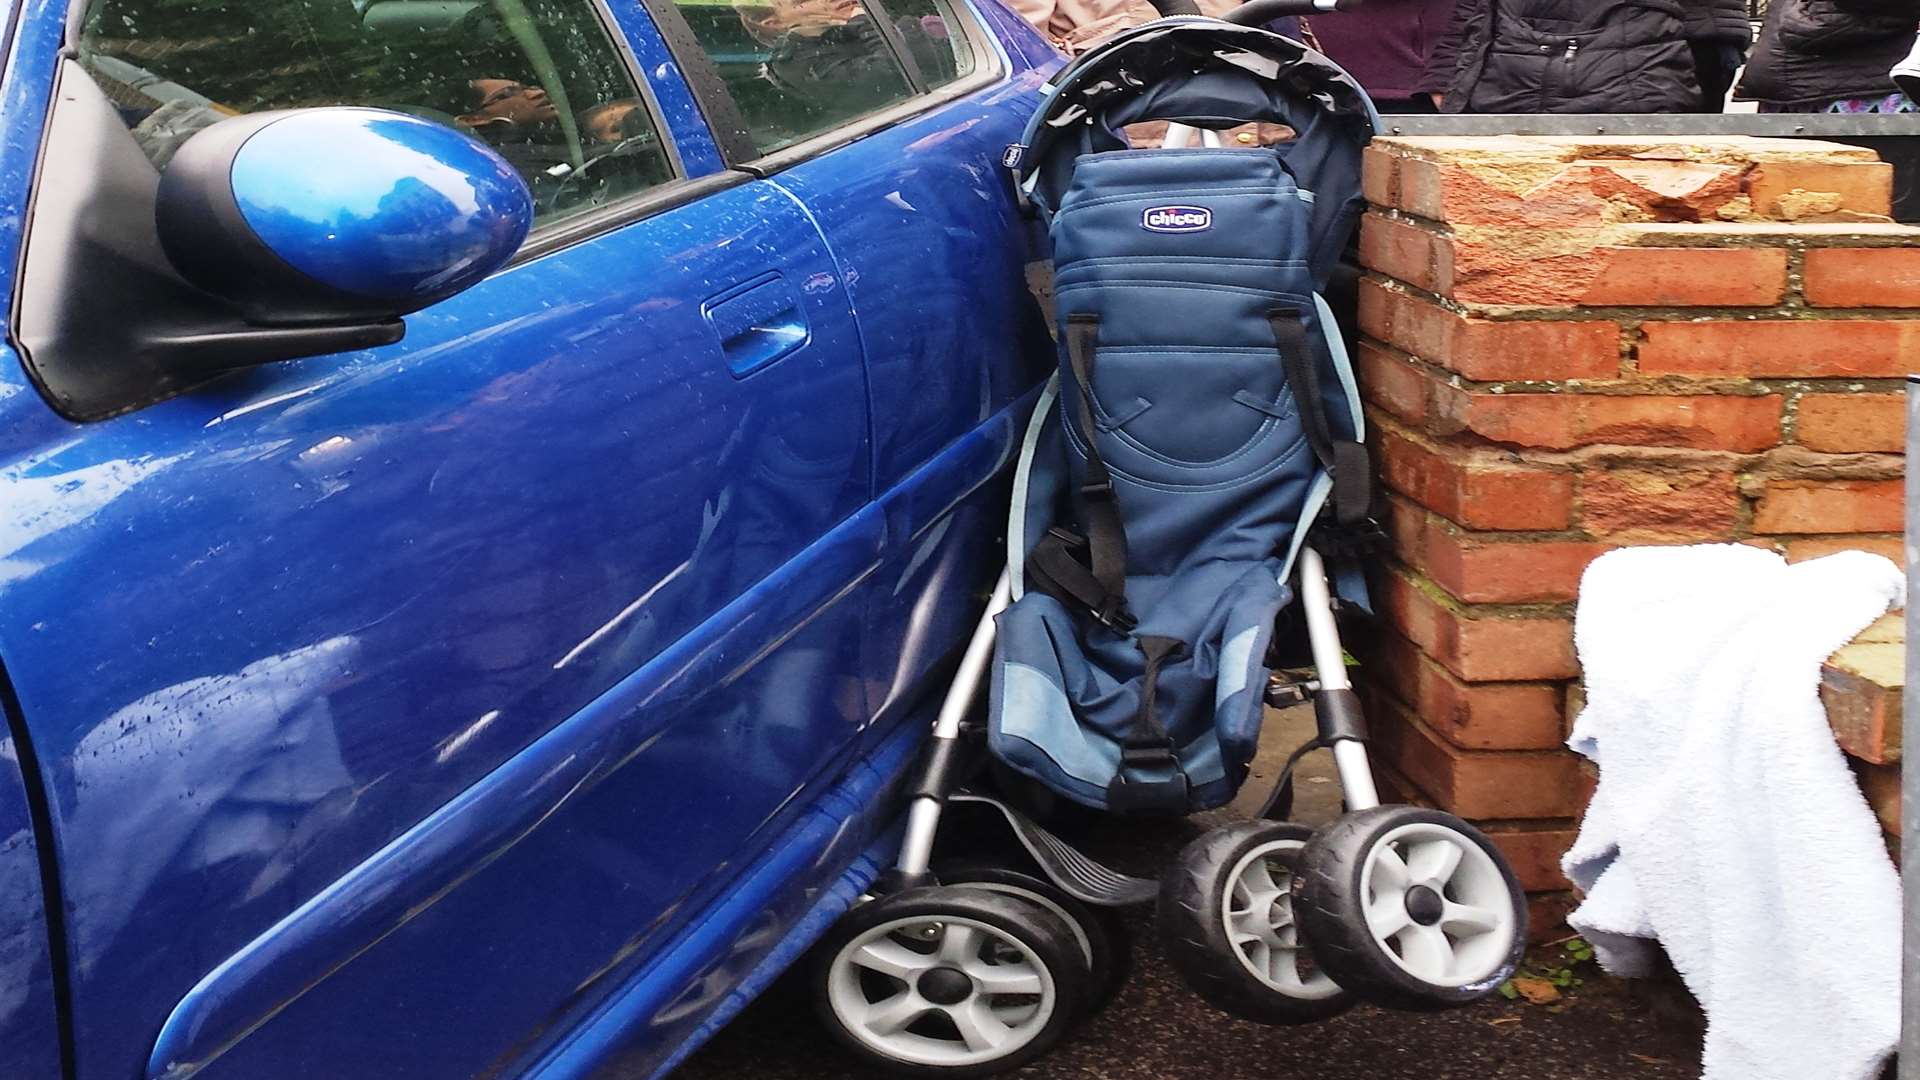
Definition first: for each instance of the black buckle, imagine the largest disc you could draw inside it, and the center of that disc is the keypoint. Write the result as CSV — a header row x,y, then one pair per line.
x,y
1097,489
1131,796
1117,619
1147,755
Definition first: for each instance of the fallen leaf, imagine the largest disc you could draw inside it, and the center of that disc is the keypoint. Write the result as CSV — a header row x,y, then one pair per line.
x,y
1536,991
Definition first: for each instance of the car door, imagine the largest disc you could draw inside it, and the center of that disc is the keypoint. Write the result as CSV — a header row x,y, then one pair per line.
x,y
387,703
888,119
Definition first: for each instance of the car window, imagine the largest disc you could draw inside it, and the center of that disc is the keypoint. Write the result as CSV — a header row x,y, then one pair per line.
x,y
933,34
538,80
799,68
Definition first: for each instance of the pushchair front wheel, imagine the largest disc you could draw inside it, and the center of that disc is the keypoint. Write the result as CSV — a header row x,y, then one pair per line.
x,y
950,981
1411,908
1226,917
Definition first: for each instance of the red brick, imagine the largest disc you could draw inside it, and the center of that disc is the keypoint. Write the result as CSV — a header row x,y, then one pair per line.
x,y
1547,916
1473,489
1480,571
1797,190
1394,788
1514,784
1415,255
1853,423
1800,550
1881,785
1486,350
1473,716
1379,176
1635,503
1830,506
1392,383
1862,277
1665,190
1422,190
1481,648
1852,348
1407,525
1864,713
1586,193
1562,421
1534,855
1689,277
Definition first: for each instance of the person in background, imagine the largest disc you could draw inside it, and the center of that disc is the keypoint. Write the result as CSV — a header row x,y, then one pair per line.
x,y
1831,56
1074,25
1385,45
1906,73
1588,56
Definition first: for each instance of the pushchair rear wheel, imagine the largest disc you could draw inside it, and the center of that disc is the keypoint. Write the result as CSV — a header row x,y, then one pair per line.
x,y
1411,908
1226,917
950,981
1102,937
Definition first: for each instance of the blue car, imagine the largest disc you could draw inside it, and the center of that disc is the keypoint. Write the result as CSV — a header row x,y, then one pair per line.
x,y
489,493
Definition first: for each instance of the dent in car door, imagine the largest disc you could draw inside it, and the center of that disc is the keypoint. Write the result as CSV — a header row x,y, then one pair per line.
x,y
360,683
923,220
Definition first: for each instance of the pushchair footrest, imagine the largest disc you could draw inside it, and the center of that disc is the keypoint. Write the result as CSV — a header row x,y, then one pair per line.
x,y
1077,874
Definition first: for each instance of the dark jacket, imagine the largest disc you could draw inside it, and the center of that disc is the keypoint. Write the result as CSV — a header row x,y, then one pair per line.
x,y
1816,51
1386,43
1579,56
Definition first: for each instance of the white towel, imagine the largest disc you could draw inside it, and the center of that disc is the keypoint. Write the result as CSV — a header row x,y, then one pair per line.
x,y
1727,825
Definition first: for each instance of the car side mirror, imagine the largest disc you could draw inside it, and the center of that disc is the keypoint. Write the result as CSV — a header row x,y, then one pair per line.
x,y
311,217
267,237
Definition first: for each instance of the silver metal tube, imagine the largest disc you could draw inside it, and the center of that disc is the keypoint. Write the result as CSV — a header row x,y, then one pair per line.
x,y
1909,772
916,847
1316,600
1330,664
973,666
1356,775
923,817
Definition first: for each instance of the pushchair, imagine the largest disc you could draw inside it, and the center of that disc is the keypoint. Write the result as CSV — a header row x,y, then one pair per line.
x,y
1192,499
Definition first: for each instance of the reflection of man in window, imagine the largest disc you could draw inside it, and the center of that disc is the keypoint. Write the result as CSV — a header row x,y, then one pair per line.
x,y
827,52
615,121
503,101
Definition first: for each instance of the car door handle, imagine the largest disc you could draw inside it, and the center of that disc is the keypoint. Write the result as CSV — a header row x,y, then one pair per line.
x,y
758,322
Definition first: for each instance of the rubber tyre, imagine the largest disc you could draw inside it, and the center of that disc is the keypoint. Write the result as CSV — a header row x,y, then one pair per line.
x,y
1330,896
1046,942
1103,937
1191,918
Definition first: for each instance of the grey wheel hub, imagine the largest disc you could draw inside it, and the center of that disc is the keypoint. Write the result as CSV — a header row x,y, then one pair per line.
x,y
945,986
1260,923
990,988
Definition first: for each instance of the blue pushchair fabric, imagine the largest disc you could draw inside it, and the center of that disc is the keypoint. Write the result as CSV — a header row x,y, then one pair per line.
x,y
1203,402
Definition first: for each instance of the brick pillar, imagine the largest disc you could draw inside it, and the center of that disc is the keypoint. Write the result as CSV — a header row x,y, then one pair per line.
x,y
1575,344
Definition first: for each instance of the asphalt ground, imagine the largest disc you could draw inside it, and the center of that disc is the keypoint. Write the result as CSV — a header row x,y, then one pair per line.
x,y
1158,1030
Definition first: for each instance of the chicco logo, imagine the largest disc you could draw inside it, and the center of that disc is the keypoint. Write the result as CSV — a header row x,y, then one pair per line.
x,y
1176,219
